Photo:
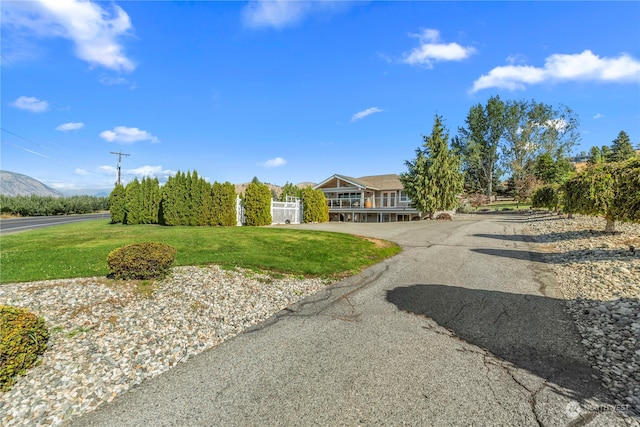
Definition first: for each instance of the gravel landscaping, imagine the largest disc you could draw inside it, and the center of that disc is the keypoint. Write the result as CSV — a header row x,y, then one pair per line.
x,y
108,337
599,276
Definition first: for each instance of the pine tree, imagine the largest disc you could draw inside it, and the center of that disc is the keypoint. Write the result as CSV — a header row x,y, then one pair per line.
x,y
433,180
621,149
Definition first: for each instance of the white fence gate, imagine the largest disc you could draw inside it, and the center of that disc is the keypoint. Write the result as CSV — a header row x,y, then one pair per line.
x,y
289,212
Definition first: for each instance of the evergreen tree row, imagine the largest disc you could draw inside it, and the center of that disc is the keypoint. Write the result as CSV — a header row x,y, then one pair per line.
x,y
48,205
185,199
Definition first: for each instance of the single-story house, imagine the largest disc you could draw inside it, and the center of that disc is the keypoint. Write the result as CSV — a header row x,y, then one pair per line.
x,y
377,198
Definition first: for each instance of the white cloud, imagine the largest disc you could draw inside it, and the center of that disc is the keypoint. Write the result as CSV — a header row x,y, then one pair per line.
x,y
277,14
81,172
151,172
273,163
432,50
598,116
70,126
106,169
365,113
585,66
285,13
94,30
111,81
30,103
127,135
140,172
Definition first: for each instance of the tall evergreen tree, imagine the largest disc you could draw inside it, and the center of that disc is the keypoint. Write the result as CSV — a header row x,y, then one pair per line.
x,y
117,204
225,204
174,206
434,179
150,188
133,202
314,205
257,204
621,148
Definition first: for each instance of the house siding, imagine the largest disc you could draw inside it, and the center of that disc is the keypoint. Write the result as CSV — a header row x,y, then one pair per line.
x,y
376,198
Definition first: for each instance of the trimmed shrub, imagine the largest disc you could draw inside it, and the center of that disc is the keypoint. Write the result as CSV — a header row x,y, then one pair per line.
x,y
148,260
596,192
627,200
23,337
547,196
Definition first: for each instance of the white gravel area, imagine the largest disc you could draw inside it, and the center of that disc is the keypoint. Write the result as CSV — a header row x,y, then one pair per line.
x,y
108,336
599,277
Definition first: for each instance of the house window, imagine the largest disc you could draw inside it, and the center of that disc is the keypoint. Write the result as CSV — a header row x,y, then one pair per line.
x,y
404,197
388,199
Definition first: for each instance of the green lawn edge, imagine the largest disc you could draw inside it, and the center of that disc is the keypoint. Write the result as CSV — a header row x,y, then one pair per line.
x,y
81,249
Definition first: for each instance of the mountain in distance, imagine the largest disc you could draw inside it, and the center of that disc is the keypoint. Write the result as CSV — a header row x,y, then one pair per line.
x,y
16,184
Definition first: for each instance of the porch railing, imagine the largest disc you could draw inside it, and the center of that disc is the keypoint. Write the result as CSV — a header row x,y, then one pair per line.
x,y
372,202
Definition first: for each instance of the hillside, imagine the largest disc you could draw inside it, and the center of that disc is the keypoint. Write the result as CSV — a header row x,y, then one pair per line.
x,y
16,184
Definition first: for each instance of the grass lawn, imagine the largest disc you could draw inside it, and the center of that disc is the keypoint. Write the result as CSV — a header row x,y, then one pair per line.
x,y
505,205
81,249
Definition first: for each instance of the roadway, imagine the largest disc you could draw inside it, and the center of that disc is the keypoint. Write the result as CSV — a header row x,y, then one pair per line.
x,y
14,225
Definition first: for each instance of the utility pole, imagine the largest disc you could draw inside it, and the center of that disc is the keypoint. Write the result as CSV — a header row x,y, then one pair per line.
x,y
119,161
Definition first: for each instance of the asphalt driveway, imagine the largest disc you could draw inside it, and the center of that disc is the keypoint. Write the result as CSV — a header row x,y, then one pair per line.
x,y
461,328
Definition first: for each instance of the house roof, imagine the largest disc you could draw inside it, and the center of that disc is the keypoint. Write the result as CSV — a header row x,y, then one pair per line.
x,y
382,182
372,182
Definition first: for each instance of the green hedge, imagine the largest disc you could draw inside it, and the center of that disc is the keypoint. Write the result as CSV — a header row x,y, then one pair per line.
x,y
185,199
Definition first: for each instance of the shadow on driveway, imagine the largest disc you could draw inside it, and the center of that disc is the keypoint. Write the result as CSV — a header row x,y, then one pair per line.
x,y
531,332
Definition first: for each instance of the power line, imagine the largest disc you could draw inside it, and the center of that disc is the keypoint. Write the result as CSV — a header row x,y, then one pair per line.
x,y
119,161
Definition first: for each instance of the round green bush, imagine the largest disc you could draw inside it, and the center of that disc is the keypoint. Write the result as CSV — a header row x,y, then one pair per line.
x,y
148,260
23,337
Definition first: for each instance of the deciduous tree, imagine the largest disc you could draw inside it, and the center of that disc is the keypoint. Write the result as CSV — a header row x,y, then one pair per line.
x,y
478,142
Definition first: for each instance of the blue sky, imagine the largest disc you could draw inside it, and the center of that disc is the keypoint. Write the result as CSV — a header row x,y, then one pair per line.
x,y
292,91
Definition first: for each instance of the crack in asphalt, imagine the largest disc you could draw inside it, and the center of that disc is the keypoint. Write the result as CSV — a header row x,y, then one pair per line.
x,y
533,394
327,294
